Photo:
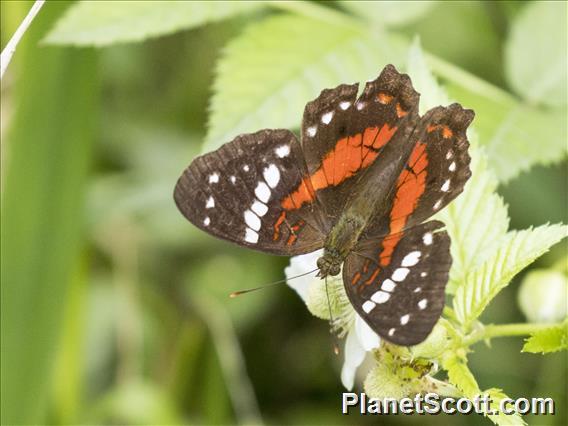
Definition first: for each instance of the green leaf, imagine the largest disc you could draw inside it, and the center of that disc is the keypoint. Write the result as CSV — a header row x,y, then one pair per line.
x,y
389,13
475,221
460,375
94,23
501,418
267,75
516,136
552,339
431,93
49,150
515,251
535,53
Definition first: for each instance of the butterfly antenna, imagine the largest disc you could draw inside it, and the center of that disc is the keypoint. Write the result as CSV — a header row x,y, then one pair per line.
x,y
238,293
331,321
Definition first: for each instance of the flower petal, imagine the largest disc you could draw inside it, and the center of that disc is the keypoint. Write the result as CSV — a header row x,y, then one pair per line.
x,y
368,339
354,356
300,265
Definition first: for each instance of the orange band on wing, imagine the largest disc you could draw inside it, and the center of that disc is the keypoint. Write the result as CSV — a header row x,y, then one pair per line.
x,y
410,187
446,131
348,156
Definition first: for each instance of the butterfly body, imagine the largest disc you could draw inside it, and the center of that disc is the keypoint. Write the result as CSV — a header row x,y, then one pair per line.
x,y
368,173
374,188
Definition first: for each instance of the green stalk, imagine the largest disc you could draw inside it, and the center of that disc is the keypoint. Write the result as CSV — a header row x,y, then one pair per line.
x,y
504,330
47,155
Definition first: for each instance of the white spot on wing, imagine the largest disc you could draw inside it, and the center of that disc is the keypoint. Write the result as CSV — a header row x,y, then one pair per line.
x,y
427,238
418,289
391,331
368,306
388,285
404,319
251,236
326,118
411,258
380,297
452,166
400,274
246,168
214,178
446,186
252,220
262,192
423,303
311,131
259,208
271,175
282,151
344,105
210,203
206,221
438,204
449,155
360,105
233,179
423,274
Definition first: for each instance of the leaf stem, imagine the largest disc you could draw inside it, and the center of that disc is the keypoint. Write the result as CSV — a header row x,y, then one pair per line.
x,y
503,330
316,11
468,80
10,48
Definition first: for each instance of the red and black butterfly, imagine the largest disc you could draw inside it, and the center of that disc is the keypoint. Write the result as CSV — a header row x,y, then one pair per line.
x,y
368,172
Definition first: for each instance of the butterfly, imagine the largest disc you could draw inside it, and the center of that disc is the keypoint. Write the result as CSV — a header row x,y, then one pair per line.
x,y
368,173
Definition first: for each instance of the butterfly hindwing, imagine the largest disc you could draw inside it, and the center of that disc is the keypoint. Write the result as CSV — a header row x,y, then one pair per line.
x,y
252,192
403,299
342,135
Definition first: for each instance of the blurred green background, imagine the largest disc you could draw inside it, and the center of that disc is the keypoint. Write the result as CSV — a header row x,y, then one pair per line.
x,y
115,309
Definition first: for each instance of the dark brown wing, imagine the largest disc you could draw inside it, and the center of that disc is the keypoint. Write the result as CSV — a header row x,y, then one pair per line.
x,y
342,135
436,172
402,300
253,192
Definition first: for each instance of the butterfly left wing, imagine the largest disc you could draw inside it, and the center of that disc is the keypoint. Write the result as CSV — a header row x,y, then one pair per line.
x,y
402,300
252,191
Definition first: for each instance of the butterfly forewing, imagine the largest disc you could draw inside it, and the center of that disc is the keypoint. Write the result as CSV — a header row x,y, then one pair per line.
x,y
342,135
242,193
435,173
402,300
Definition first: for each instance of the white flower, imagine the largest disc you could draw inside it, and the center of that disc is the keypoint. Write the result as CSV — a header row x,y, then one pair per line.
x,y
360,338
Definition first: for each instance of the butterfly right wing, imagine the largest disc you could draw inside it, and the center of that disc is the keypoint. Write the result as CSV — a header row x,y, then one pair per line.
x,y
253,192
403,300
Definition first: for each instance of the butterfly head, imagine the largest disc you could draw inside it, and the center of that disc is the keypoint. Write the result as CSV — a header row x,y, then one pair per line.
x,y
329,264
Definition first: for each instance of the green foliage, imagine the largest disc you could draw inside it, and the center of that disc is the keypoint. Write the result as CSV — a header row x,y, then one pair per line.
x,y
516,135
389,13
267,75
475,220
125,320
552,339
43,191
89,23
460,375
537,67
515,251
502,419
543,295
